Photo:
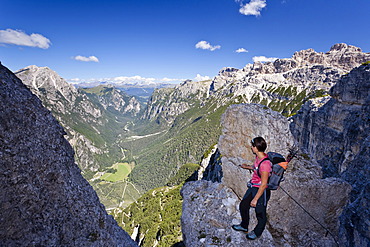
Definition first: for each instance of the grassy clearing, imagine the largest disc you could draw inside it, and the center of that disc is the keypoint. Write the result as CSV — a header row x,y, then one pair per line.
x,y
122,170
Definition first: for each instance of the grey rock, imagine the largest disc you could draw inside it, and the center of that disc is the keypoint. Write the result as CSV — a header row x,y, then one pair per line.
x,y
209,210
241,123
337,136
167,103
340,55
288,224
44,199
118,100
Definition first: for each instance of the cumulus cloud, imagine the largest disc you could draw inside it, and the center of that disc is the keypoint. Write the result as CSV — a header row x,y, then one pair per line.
x,y
241,50
86,59
17,37
264,59
254,7
206,46
201,78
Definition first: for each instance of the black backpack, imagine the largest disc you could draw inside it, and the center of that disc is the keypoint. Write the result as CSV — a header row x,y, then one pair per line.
x,y
278,165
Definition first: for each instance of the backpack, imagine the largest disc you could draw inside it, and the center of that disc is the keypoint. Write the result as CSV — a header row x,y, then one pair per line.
x,y
278,165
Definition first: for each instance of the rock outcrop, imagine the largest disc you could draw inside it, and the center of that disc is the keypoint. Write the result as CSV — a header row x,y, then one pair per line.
x,y
45,201
209,209
337,136
167,103
215,206
113,98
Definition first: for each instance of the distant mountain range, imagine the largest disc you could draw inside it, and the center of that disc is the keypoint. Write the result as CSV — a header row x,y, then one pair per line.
x,y
139,89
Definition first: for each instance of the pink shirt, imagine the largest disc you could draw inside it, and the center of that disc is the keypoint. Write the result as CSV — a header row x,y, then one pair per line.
x,y
264,167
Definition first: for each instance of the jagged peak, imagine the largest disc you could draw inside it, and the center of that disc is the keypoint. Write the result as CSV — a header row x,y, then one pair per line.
x,y
43,77
35,68
227,70
345,47
35,71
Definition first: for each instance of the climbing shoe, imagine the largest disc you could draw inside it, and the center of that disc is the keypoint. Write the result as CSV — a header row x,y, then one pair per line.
x,y
251,235
239,228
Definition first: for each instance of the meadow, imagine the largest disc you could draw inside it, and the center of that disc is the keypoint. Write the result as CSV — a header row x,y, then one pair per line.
x,y
119,172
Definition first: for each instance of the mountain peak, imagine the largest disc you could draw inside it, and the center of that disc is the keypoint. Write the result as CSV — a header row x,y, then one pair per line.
x,y
34,69
345,47
38,78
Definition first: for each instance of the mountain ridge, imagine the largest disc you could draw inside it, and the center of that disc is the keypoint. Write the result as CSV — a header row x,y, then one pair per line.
x,y
306,72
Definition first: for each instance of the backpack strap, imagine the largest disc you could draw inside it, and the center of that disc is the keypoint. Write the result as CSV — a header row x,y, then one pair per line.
x,y
259,164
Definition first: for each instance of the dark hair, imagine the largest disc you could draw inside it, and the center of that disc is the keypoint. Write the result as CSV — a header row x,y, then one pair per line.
x,y
259,143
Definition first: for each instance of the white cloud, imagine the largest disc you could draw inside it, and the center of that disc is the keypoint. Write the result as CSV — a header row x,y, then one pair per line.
x,y
206,46
75,80
86,59
240,50
201,78
264,59
254,7
133,80
127,80
17,37
173,80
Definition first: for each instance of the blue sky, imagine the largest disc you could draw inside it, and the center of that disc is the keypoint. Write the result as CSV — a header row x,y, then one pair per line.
x,y
159,40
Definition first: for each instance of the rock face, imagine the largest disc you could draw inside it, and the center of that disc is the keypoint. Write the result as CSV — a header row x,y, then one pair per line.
x,y
111,97
340,55
167,103
44,199
288,225
337,136
209,209
241,123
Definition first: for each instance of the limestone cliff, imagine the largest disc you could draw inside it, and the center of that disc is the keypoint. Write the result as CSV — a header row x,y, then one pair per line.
x,y
113,98
167,103
337,136
44,199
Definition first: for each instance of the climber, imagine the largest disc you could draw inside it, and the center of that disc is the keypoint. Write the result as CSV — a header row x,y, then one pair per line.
x,y
257,195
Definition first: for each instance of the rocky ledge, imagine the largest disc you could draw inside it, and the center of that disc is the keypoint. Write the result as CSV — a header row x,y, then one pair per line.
x,y
212,207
